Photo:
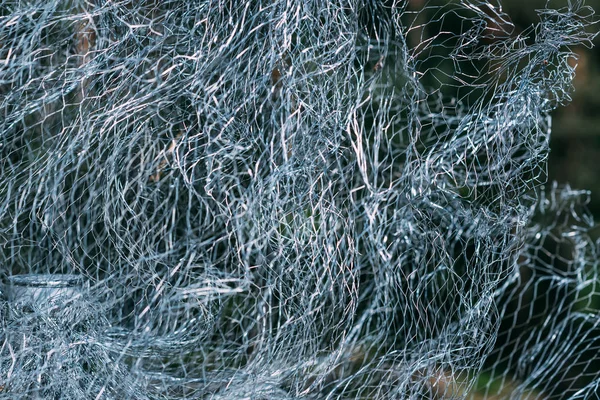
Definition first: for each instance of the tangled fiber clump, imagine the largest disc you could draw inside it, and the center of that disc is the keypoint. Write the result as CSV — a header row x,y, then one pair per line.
x,y
288,200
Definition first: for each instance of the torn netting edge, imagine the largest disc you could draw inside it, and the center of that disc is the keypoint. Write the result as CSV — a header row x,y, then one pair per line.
x,y
282,200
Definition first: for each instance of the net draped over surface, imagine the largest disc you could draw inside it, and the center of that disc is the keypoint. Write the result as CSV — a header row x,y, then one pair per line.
x,y
290,200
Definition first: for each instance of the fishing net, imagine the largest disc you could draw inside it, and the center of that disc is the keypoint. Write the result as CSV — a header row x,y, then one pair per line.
x,y
290,200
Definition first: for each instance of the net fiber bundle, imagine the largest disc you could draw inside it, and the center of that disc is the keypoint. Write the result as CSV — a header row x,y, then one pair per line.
x,y
290,200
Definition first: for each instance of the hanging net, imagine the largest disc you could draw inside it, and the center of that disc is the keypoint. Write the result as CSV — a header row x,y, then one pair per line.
x,y
290,200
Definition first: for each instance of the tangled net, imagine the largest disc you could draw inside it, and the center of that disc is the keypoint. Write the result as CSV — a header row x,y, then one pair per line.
x,y
290,200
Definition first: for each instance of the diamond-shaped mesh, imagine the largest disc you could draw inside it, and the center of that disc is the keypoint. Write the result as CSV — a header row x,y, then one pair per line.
x,y
290,200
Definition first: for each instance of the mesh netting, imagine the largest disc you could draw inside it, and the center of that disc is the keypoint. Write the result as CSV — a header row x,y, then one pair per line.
x,y
285,200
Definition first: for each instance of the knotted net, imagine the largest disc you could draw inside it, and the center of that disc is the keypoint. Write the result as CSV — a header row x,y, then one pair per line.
x,y
290,200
